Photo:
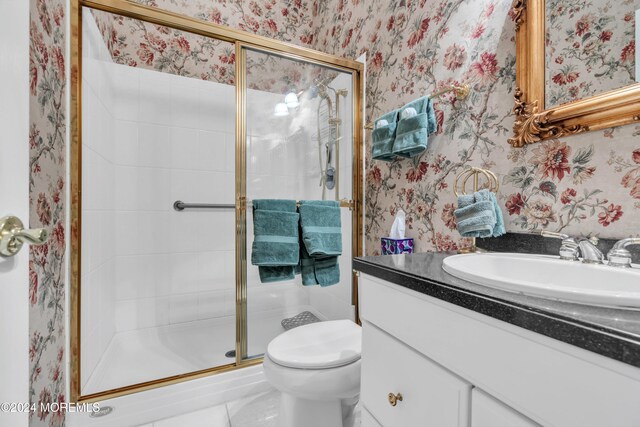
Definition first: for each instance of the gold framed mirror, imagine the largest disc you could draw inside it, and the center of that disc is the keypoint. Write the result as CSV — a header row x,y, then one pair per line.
x,y
562,86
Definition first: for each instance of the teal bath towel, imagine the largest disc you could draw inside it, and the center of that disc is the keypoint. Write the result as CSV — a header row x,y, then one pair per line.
x,y
321,242
478,215
417,121
276,245
321,227
383,137
323,272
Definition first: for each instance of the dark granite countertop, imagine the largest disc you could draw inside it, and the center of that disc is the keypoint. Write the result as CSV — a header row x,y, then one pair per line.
x,y
611,332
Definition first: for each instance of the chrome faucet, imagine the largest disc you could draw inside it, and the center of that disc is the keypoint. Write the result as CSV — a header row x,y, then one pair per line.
x,y
619,256
590,252
573,247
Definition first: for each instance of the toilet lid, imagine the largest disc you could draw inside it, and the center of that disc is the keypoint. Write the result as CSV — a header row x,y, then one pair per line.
x,y
318,345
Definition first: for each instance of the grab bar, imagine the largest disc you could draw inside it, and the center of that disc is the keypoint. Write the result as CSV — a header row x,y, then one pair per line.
x,y
180,205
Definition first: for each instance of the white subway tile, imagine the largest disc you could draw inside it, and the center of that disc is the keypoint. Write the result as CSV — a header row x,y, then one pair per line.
x,y
126,233
154,189
155,97
215,304
127,277
126,143
126,188
155,146
127,92
184,148
183,231
213,276
152,238
184,102
216,229
185,274
212,151
186,187
183,308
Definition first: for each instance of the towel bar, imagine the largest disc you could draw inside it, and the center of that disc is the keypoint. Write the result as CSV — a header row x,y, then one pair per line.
x,y
462,92
179,205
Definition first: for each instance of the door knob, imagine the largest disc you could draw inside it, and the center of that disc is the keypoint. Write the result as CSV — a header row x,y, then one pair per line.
x,y
13,236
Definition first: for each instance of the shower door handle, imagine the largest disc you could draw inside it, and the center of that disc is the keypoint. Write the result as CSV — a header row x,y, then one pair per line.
x,y
13,236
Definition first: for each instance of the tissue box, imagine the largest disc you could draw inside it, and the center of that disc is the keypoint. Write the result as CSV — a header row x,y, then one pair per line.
x,y
396,246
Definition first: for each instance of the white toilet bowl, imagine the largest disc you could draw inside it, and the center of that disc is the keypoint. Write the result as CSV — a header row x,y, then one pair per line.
x,y
317,369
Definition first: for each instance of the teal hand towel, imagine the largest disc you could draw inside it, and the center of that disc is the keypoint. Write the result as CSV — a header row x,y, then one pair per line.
x,y
321,242
499,228
307,267
276,247
323,272
478,215
417,121
276,274
321,227
383,136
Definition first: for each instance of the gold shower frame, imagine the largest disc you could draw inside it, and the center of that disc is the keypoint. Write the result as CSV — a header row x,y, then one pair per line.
x,y
242,41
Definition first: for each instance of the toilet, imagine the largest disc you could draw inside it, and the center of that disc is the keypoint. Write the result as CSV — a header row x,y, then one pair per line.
x,y
317,369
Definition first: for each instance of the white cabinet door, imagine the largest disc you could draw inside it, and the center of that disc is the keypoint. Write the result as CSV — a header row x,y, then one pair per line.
x,y
488,412
367,420
431,395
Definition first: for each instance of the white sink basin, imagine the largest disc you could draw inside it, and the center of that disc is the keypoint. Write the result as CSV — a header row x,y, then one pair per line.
x,y
550,277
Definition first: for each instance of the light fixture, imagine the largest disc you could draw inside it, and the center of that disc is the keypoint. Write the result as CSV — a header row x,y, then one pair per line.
x,y
281,109
291,100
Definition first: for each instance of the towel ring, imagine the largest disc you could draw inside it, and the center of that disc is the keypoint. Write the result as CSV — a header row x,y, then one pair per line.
x,y
491,183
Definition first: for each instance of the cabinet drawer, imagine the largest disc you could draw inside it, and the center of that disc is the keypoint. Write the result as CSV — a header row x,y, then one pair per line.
x,y
488,412
431,395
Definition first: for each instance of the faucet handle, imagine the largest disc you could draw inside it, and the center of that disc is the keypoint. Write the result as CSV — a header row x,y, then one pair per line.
x,y
569,250
619,255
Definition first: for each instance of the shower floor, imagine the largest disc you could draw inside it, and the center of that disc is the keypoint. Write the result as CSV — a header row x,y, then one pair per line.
x,y
142,355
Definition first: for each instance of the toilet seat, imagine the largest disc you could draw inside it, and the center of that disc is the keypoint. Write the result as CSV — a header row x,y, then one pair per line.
x,y
319,345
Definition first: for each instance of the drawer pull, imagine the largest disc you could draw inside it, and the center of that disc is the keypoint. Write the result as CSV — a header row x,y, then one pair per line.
x,y
394,398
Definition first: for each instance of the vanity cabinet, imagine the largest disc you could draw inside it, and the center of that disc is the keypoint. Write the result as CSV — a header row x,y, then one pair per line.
x,y
456,367
420,389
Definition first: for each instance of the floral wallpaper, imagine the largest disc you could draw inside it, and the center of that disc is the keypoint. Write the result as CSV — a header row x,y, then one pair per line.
x,y
584,184
47,152
590,48
139,44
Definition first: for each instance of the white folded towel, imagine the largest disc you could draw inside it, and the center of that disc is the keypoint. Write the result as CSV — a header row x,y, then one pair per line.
x,y
381,123
408,112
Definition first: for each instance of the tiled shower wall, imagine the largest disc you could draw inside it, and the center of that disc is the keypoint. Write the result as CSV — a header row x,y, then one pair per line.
x,y
150,139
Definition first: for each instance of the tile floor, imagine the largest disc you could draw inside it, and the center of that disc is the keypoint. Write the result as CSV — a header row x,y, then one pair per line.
x,y
259,410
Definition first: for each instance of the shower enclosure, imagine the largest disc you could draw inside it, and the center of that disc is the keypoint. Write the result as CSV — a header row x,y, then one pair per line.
x,y
176,126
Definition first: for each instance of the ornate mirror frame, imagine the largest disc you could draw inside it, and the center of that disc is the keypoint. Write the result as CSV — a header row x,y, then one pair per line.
x,y
533,123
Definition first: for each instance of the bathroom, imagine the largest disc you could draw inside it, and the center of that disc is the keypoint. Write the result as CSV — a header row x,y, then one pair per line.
x,y
476,162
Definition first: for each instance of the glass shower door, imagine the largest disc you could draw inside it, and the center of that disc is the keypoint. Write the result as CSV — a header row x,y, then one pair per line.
x,y
296,143
157,283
